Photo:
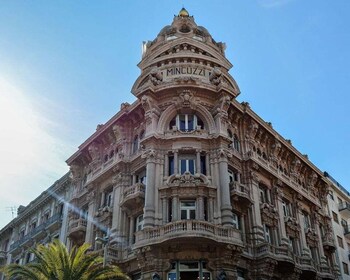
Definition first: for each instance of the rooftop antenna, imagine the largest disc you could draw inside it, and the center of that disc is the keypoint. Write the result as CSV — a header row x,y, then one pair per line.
x,y
13,210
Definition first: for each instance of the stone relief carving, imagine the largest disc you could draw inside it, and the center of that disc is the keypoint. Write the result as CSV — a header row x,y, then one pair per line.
x,y
215,76
156,76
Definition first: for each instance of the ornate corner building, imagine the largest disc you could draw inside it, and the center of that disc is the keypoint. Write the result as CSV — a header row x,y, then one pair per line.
x,y
188,183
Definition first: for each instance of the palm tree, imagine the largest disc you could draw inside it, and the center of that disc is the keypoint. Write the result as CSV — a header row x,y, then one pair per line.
x,y
54,262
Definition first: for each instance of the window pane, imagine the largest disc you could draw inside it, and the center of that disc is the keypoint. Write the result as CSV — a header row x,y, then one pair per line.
x,y
182,121
182,166
190,122
191,166
171,165
183,215
192,214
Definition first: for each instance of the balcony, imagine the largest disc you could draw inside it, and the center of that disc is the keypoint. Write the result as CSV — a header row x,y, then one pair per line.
x,y
344,209
186,230
133,196
328,242
77,228
240,193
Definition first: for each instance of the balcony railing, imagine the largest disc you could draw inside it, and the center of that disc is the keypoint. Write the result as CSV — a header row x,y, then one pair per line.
x,y
240,190
36,230
344,209
133,192
186,229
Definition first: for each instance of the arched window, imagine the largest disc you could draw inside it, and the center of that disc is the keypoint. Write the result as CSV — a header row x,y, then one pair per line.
x,y
186,122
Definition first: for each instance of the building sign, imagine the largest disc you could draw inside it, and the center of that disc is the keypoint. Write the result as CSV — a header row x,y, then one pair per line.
x,y
185,70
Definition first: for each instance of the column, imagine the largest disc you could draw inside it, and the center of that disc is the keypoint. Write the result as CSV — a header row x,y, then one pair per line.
x,y
89,226
176,162
134,179
198,161
211,210
258,229
304,249
175,208
200,208
149,210
284,240
165,210
207,166
131,230
226,208
116,218
103,194
166,165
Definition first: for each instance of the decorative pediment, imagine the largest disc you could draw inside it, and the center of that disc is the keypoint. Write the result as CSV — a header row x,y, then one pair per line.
x,y
187,180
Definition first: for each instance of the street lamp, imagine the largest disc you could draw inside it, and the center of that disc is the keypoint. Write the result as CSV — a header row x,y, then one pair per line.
x,y
104,241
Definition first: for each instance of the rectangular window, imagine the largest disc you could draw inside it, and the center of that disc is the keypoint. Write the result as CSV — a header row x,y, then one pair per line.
x,y
340,242
286,208
335,217
306,220
188,210
203,165
235,221
264,195
187,165
139,223
267,234
346,268
171,165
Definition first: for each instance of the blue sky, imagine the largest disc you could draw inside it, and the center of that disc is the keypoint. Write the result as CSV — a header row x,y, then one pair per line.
x,y
66,66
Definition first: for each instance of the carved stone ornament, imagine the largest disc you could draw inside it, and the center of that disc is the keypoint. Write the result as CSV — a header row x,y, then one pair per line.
x,y
186,97
116,132
156,76
215,76
292,227
269,214
311,237
94,151
187,180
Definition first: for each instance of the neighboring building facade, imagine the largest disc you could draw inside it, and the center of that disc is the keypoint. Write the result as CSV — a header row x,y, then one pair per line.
x,y
188,183
339,205
38,223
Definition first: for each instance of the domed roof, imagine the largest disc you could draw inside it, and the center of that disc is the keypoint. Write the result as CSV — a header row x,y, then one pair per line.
x,y
183,13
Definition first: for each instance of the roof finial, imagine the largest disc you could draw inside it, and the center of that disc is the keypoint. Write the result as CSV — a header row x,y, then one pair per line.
x,y
183,12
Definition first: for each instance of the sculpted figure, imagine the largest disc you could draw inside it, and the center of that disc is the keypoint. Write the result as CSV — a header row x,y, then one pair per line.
x,y
215,76
94,151
156,76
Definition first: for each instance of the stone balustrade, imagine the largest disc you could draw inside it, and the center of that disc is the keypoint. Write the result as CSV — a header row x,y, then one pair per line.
x,y
188,229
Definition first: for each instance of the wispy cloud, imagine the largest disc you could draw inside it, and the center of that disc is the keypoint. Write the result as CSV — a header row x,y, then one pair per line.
x,y
273,3
31,157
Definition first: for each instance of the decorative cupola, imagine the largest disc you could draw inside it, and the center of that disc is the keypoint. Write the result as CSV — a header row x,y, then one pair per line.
x,y
184,53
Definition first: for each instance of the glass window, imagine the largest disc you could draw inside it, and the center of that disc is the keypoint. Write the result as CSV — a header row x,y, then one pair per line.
x,y
135,144
187,165
346,268
171,165
286,208
186,122
188,210
267,234
235,221
203,165
306,220
335,217
139,223
264,194
340,242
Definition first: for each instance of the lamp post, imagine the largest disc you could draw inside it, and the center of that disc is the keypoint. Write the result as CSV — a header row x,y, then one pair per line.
x,y
104,241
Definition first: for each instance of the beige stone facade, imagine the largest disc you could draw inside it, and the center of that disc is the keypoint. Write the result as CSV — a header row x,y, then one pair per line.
x,y
188,183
